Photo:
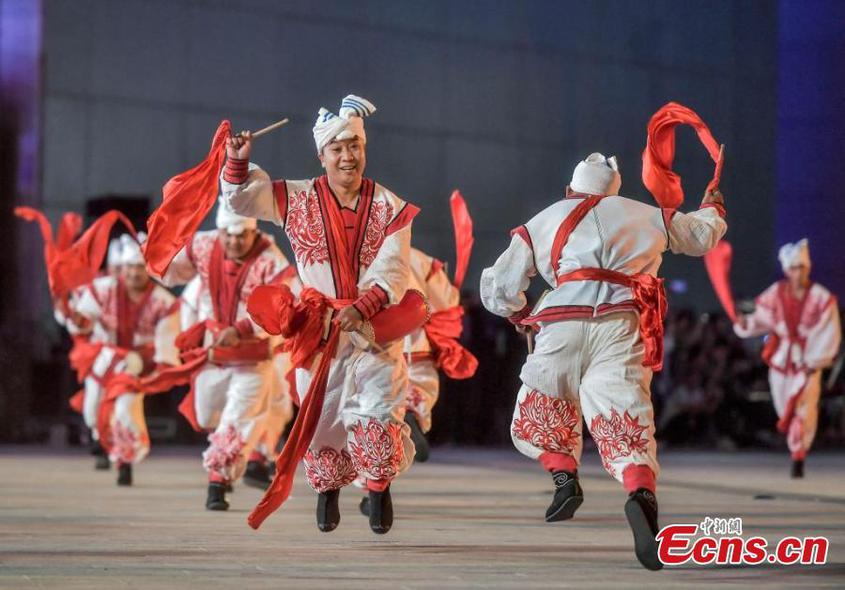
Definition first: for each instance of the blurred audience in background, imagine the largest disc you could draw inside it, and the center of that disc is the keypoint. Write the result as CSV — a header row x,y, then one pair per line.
x,y
712,393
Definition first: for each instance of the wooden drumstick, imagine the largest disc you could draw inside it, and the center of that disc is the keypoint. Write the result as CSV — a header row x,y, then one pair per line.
x,y
270,128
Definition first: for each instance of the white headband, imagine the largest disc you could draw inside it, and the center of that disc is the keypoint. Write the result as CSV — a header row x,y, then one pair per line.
x,y
233,223
113,256
597,175
797,254
348,123
130,249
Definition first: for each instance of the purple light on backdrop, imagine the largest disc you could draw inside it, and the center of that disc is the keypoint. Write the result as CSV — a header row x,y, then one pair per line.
x,y
20,80
811,134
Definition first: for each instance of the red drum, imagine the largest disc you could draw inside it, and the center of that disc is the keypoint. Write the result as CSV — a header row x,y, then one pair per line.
x,y
397,321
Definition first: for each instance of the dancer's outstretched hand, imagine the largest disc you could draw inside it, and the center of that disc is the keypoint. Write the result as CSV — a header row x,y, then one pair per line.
x,y
349,319
239,146
715,197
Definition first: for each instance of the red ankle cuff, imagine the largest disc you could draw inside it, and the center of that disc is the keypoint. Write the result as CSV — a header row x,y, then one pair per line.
x,y
377,485
214,477
552,462
256,456
635,477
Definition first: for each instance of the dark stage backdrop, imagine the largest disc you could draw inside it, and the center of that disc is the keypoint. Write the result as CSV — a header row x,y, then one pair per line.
x,y
497,98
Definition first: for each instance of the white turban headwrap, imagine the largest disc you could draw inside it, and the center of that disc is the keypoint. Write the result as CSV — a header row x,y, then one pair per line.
x,y
797,254
597,175
130,249
348,123
233,223
113,256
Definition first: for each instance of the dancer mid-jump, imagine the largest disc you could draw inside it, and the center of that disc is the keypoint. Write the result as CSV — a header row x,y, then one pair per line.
x,y
599,332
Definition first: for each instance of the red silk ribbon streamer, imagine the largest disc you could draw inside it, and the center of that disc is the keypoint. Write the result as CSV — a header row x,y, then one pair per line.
x,y
186,200
443,330
69,227
659,153
718,264
462,224
80,263
161,381
300,437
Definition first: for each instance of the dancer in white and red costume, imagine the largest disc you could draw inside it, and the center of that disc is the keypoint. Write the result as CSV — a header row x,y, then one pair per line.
x,y
280,407
351,237
801,318
599,331
434,347
133,323
232,394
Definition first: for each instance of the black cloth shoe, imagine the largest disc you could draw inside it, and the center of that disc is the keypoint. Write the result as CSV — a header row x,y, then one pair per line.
x,y
124,474
216,499
229,488
418,436
328,510
381,511
641,511
102,462
257,475
364,506
568,496
797,469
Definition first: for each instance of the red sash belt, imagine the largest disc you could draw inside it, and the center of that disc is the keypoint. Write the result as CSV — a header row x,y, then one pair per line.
x,y
650,298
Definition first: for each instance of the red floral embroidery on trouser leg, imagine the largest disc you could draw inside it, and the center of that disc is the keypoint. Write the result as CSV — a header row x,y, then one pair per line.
x,y
416,402
795,438
548,423
377,449
224,451
328,469
620,435
124,441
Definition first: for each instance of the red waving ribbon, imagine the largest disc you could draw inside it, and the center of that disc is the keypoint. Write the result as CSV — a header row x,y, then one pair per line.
x,y
69,227
187,199
462,223
80,263
443,330
659,153
718,264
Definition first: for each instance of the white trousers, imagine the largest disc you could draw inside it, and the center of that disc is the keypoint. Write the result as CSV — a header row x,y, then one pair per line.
x,y
423,390
361,430
805,418
280,408
589,370
130,439
233,402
